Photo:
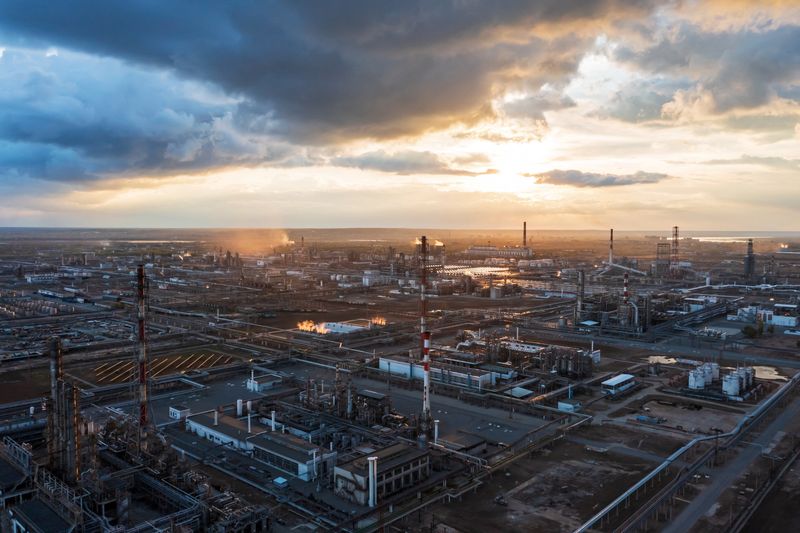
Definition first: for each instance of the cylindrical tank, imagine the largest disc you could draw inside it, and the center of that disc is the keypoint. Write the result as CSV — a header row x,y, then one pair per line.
x,y
749,373
742,379
715,371
730,384
696,380
708,373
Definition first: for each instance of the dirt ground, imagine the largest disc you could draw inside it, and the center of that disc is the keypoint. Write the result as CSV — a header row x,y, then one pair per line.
x,y
24,384
646,441
550,492
779,508
690,414
693,420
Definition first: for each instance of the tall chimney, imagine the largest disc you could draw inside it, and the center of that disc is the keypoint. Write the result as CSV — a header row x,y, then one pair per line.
x,y
372,472
579,299
674,259
524,234
425,340
611,248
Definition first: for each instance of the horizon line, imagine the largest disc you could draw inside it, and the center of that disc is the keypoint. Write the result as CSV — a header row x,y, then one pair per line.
x,y
407,228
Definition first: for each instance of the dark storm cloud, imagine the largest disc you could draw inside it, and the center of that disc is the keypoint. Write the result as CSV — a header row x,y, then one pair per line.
x,y
741,69
72,117
336,70
406,162
576,178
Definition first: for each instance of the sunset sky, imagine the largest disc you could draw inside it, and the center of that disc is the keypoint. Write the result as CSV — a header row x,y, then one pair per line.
x,y
451,114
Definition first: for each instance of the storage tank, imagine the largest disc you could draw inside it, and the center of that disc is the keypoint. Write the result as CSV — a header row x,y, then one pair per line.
x,y
730,384
751,374
697,380
715,371
708,373
742,378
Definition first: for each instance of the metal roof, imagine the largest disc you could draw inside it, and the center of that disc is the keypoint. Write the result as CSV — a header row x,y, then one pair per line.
x,y
38,516
616,380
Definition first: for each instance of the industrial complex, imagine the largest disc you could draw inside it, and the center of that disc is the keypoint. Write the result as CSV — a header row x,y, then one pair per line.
x,y
396,380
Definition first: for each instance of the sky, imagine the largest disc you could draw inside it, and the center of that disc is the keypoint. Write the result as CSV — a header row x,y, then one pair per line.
x,y
638,114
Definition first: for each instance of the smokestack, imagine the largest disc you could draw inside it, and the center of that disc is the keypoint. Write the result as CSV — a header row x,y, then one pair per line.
x,y
749,261
611,248
372,464
674,260
426,367
524,234
273,420
142,352
425,340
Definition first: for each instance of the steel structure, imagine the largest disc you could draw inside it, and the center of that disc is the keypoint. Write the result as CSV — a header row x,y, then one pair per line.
x,y
141,353
63,412
674,260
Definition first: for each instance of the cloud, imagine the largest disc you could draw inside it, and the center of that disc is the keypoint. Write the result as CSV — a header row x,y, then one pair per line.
x,y
577,178
73,117
534,106
403,163
643,100
780,163
743,68
337,71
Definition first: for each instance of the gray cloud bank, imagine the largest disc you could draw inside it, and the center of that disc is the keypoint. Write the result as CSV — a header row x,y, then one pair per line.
x,y
576,178
164,87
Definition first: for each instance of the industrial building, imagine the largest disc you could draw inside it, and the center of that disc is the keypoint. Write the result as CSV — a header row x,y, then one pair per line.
x,y
395,469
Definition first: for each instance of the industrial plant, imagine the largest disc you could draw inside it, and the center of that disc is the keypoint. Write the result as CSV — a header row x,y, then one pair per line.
x,y
390,380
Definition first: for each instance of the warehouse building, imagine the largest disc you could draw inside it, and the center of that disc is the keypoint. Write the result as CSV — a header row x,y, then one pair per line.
x,y
286,452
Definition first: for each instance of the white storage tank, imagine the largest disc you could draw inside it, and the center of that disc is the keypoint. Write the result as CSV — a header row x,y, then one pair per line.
x,y
730,384
697,380
708,373
742,372
751,374
715,371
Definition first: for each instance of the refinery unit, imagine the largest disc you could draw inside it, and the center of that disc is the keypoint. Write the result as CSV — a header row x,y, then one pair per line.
x,y
163,383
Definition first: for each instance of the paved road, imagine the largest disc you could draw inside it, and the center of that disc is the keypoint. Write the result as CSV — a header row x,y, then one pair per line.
x,y
724,476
